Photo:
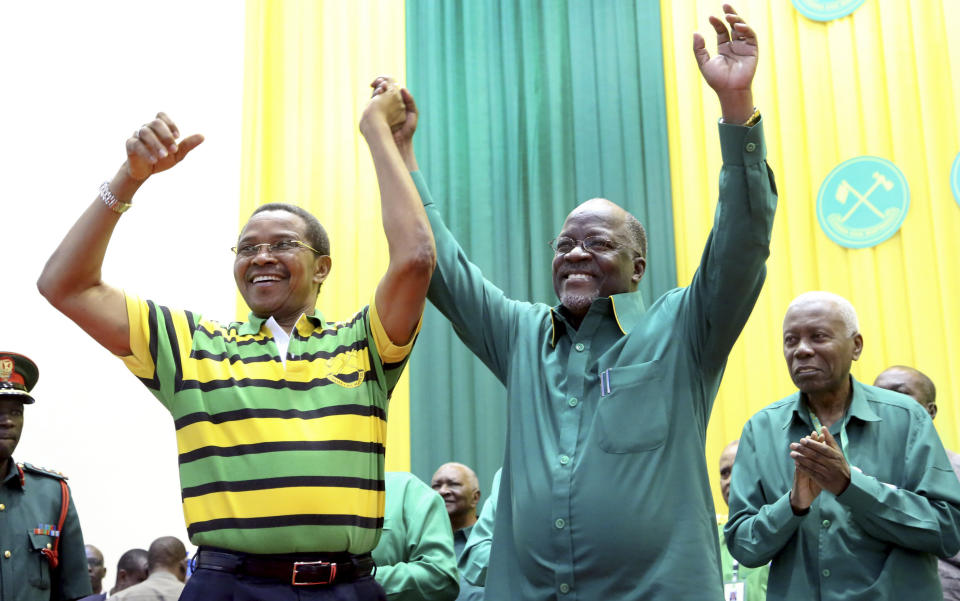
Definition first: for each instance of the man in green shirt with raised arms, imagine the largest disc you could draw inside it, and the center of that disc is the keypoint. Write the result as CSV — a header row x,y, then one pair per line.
x,y
845,487
280,420
609,400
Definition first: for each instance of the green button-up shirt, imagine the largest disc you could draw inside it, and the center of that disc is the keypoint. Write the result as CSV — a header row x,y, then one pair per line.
x,y
475,558
878,539
415,557
604,491
29,513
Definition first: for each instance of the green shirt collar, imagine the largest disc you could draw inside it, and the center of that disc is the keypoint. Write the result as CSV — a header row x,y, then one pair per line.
x,y
253,324
859,407
626,308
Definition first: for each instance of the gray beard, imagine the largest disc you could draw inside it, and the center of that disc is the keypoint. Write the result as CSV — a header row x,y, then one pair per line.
x,y
577,304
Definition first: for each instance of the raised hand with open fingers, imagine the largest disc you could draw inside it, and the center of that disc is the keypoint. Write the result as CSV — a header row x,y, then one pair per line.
x,y
154,147
731,70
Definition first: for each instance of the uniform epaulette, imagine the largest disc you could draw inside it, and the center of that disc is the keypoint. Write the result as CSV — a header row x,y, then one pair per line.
x,y
42,471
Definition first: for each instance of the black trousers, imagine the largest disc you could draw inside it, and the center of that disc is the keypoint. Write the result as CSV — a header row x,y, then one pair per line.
x,y
212,585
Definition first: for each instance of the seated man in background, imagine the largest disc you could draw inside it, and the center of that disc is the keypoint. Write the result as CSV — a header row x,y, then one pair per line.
x,y
739,582
167,565
457,484
919,387
415,558
845,487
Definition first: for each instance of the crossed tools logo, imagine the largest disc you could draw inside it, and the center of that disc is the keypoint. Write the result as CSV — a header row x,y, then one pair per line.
x,y
862,202
826,10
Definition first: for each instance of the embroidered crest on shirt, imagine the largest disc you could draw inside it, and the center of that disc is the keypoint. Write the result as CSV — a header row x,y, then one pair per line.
x,y
343,366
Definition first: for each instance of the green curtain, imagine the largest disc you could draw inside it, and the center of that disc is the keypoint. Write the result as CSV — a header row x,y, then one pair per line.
x,y
527,109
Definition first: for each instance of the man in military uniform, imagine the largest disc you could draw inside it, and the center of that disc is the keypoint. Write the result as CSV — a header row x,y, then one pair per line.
x,y
41,546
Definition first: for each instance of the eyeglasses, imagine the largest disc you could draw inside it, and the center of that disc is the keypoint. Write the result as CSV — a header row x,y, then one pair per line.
x,y
283,247
596,245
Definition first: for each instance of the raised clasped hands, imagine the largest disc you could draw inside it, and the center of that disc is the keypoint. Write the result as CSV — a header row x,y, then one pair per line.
x,y
731,70
404,122
386,105
154,148
820,465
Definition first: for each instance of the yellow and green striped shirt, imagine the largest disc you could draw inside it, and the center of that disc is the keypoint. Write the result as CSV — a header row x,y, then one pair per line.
x,y
273,458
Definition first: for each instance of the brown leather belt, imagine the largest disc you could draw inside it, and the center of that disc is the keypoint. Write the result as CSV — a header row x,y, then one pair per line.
x,y
306,569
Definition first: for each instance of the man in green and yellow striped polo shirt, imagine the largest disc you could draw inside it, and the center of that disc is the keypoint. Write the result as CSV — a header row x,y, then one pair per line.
x,y
280,420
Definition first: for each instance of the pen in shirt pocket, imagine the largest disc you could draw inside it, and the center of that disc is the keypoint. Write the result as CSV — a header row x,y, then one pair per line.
x,y
605,382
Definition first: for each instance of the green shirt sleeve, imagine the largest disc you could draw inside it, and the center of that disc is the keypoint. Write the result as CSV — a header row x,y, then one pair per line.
x,y
732,267
481,314
415,558
925,517
756,531
476,553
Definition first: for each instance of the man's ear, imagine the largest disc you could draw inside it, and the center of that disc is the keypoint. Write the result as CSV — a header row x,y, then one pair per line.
x,y
639,268
321,269
857,345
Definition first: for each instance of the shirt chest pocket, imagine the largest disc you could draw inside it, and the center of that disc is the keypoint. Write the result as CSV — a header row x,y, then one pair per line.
x,y
38,567
632,415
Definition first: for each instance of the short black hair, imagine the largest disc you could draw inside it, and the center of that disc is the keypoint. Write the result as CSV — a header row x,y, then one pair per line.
x,y
637,233
166,551
316,235
133,560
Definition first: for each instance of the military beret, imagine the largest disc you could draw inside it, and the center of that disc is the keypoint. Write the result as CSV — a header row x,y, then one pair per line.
x,y
18,376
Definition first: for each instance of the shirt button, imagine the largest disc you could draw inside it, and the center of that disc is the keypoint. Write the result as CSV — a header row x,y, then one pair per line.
x,y
573,402
579,346
2,506
559,523
564,588
826,523
751,147
564,460
826,573
6,554
49,546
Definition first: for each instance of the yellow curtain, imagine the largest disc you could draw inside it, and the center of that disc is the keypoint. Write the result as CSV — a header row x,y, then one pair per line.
x,y
308,65
883,81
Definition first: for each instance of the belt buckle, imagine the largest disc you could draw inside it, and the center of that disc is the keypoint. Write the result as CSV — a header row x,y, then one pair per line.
x,y
298,564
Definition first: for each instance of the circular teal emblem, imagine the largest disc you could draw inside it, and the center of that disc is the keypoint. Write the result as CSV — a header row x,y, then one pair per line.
x,y
862,202
955,179
826,10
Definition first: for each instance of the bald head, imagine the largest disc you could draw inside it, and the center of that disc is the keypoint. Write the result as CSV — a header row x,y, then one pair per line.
x,y
911,382
167,553
727,458
460,489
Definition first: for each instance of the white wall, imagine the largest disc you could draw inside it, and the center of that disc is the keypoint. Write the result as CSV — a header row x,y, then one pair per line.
x,y
77,78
